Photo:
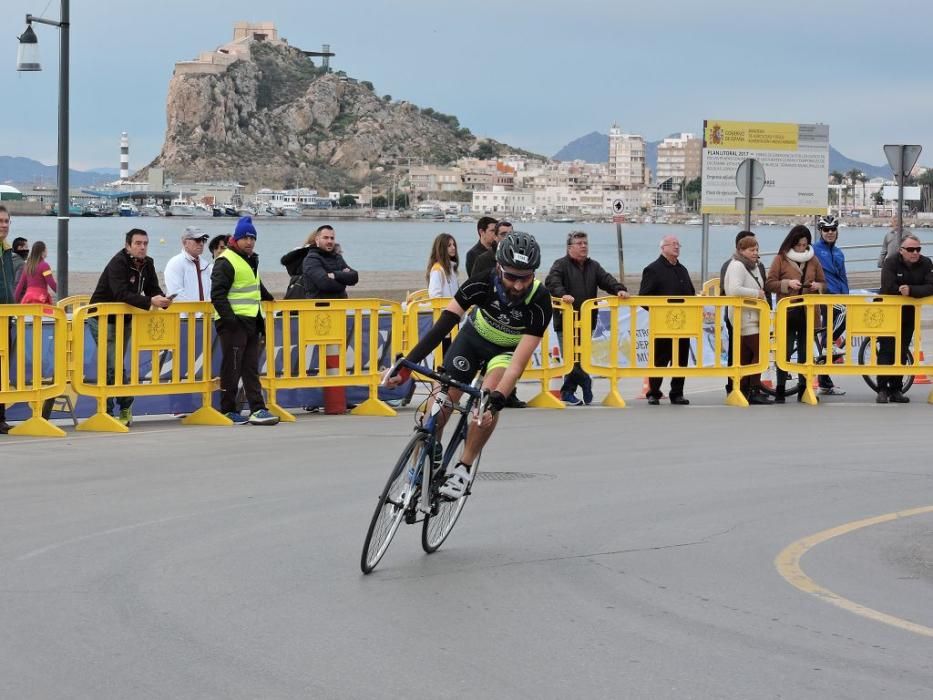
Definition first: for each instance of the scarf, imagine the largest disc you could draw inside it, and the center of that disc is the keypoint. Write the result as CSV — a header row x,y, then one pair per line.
x,y
800,258
750,266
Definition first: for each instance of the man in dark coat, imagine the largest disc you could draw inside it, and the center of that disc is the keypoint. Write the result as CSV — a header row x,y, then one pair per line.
x,y
911,275
129,278
575,278
326,273
666,277
486,230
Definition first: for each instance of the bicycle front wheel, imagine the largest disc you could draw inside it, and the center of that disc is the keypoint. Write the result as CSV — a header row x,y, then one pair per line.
x,y
444,513
871,380
399,494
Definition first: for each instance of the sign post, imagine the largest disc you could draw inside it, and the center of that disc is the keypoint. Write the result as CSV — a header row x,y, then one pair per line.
x,y
902,158
618,216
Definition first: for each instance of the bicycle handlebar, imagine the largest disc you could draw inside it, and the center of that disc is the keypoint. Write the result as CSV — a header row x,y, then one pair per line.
x,y
443,379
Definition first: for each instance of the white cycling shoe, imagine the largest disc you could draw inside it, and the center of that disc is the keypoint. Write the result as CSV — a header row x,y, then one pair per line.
x,y
458,480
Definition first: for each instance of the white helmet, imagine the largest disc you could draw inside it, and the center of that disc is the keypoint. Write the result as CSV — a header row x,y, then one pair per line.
x,y
828,222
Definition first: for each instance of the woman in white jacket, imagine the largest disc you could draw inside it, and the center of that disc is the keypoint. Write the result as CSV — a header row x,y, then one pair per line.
x,y
442,267
743,279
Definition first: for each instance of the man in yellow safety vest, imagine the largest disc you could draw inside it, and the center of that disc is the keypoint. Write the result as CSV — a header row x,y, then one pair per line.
x,y
237,293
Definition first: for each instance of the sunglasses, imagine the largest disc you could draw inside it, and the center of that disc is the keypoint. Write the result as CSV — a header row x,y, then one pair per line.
x,y
830,230
512,277
911,249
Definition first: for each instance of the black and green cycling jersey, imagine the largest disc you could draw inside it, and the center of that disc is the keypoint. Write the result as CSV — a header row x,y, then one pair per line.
x,y
499,319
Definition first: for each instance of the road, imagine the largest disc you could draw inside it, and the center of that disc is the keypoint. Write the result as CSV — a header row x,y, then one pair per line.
x,y
618,553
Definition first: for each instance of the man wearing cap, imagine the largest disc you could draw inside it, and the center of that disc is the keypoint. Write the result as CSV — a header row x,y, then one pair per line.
x,y
188,274
237,294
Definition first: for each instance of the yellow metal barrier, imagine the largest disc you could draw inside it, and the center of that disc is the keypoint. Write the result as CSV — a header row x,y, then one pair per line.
x,y
69,304
319,323
711,288
29,323
411,330
629,352
156,333
555,359
868,318
417,295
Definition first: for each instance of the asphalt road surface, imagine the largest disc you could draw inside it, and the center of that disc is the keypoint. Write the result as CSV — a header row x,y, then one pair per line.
x,y
626,553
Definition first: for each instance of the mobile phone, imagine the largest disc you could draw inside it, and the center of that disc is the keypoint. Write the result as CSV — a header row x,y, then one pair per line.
x,y
172,296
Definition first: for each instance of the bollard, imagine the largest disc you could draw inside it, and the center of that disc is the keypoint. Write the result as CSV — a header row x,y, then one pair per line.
x,y
335,397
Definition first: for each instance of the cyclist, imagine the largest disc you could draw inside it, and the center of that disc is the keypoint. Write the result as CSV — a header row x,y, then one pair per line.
x,y
510,312
833,261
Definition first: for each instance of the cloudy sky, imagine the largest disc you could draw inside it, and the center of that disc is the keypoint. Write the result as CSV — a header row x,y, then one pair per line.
x,y
532,73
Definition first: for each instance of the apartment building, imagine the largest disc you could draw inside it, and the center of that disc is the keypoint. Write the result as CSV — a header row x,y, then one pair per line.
x,y
627,168
679,159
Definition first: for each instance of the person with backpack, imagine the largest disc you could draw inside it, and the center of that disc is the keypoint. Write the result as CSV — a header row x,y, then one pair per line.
x,y
293,261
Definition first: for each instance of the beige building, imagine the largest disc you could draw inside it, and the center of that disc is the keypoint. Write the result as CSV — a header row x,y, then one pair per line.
x,y
428,178
216,62
679,159
627,168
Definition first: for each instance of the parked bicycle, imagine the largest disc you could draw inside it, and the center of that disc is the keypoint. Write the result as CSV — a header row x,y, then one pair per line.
x,y
424,462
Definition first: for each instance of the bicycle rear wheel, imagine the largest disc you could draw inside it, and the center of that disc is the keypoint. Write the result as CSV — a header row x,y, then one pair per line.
x,y
400,494
871,380
444,513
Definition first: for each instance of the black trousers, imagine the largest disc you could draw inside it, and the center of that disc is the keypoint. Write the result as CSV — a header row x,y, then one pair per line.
x,y
663,356
240,350
796,331
886,355
576,377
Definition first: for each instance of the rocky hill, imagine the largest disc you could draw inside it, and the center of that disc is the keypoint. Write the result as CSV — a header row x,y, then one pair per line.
x,y
274,119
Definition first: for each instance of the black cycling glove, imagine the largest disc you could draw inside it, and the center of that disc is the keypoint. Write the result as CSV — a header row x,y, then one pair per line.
x,y
496,401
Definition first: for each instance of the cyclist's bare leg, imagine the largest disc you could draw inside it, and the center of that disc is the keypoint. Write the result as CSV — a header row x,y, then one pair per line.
x,y
453,395
478,434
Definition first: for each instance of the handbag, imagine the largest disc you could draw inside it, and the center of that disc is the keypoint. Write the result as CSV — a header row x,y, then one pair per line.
x,y
296,288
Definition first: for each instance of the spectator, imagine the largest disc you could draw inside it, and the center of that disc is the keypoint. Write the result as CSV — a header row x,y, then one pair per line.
x,y
575,278
795,270
237,294
666,276
891,243
486,230
188,275
217,245
326,274
909,274
6,294
486,262
745,278
129,278
443,264
722,278
833,261
293,261
36,279
20,253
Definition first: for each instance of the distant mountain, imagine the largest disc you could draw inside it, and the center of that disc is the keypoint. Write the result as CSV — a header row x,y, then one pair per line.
x,y
25,171
594,148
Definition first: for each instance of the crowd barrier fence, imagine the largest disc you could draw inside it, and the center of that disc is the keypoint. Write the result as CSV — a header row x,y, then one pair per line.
x,y
32,370
628,351
867,319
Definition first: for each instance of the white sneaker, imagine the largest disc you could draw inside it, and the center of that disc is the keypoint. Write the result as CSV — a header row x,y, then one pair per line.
x,y
458,479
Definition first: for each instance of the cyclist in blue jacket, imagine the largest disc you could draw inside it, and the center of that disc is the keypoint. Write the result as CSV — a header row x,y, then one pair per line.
x,y
833,261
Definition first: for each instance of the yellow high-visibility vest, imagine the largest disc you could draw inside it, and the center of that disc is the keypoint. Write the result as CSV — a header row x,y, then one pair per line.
x,y
244,294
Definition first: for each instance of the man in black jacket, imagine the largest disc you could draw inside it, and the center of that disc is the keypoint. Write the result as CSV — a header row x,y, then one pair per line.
x,y
911,275
486,230
666,277
129,278
326,273
575,278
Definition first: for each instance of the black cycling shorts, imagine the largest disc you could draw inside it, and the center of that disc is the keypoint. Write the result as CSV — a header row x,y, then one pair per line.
x,y
470,353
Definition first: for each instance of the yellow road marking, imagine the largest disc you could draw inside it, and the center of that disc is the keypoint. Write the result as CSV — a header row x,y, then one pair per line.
x,y
788,565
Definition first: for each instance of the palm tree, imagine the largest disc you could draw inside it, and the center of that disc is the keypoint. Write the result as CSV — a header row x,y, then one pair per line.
x,y
863,178
852,177
835,178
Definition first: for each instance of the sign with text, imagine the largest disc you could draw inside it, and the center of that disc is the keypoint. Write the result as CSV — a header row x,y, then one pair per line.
x,y
794,159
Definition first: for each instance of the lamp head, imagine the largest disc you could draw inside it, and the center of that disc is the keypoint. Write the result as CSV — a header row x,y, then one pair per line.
x,y
27,57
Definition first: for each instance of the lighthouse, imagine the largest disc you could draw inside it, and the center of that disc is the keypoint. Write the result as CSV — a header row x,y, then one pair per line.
x,y
124,156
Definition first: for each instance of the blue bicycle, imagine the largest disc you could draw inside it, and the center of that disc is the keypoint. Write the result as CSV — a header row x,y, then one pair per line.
x,y
424,461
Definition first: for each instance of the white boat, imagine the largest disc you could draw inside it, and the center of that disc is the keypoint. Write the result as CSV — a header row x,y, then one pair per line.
x,y
695,221
128,209
290,209
152,210
182,207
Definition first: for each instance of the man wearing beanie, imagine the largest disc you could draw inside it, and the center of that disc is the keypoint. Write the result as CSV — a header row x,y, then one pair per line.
x,y
237,293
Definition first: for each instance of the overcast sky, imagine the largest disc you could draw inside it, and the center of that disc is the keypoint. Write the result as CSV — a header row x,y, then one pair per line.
x,y
533,73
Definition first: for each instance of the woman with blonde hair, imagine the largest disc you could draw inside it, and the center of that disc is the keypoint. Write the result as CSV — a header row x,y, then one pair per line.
x,y
293,261
37,279
443,265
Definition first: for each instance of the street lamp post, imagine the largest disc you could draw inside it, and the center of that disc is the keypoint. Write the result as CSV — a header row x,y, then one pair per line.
x,y
28,60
